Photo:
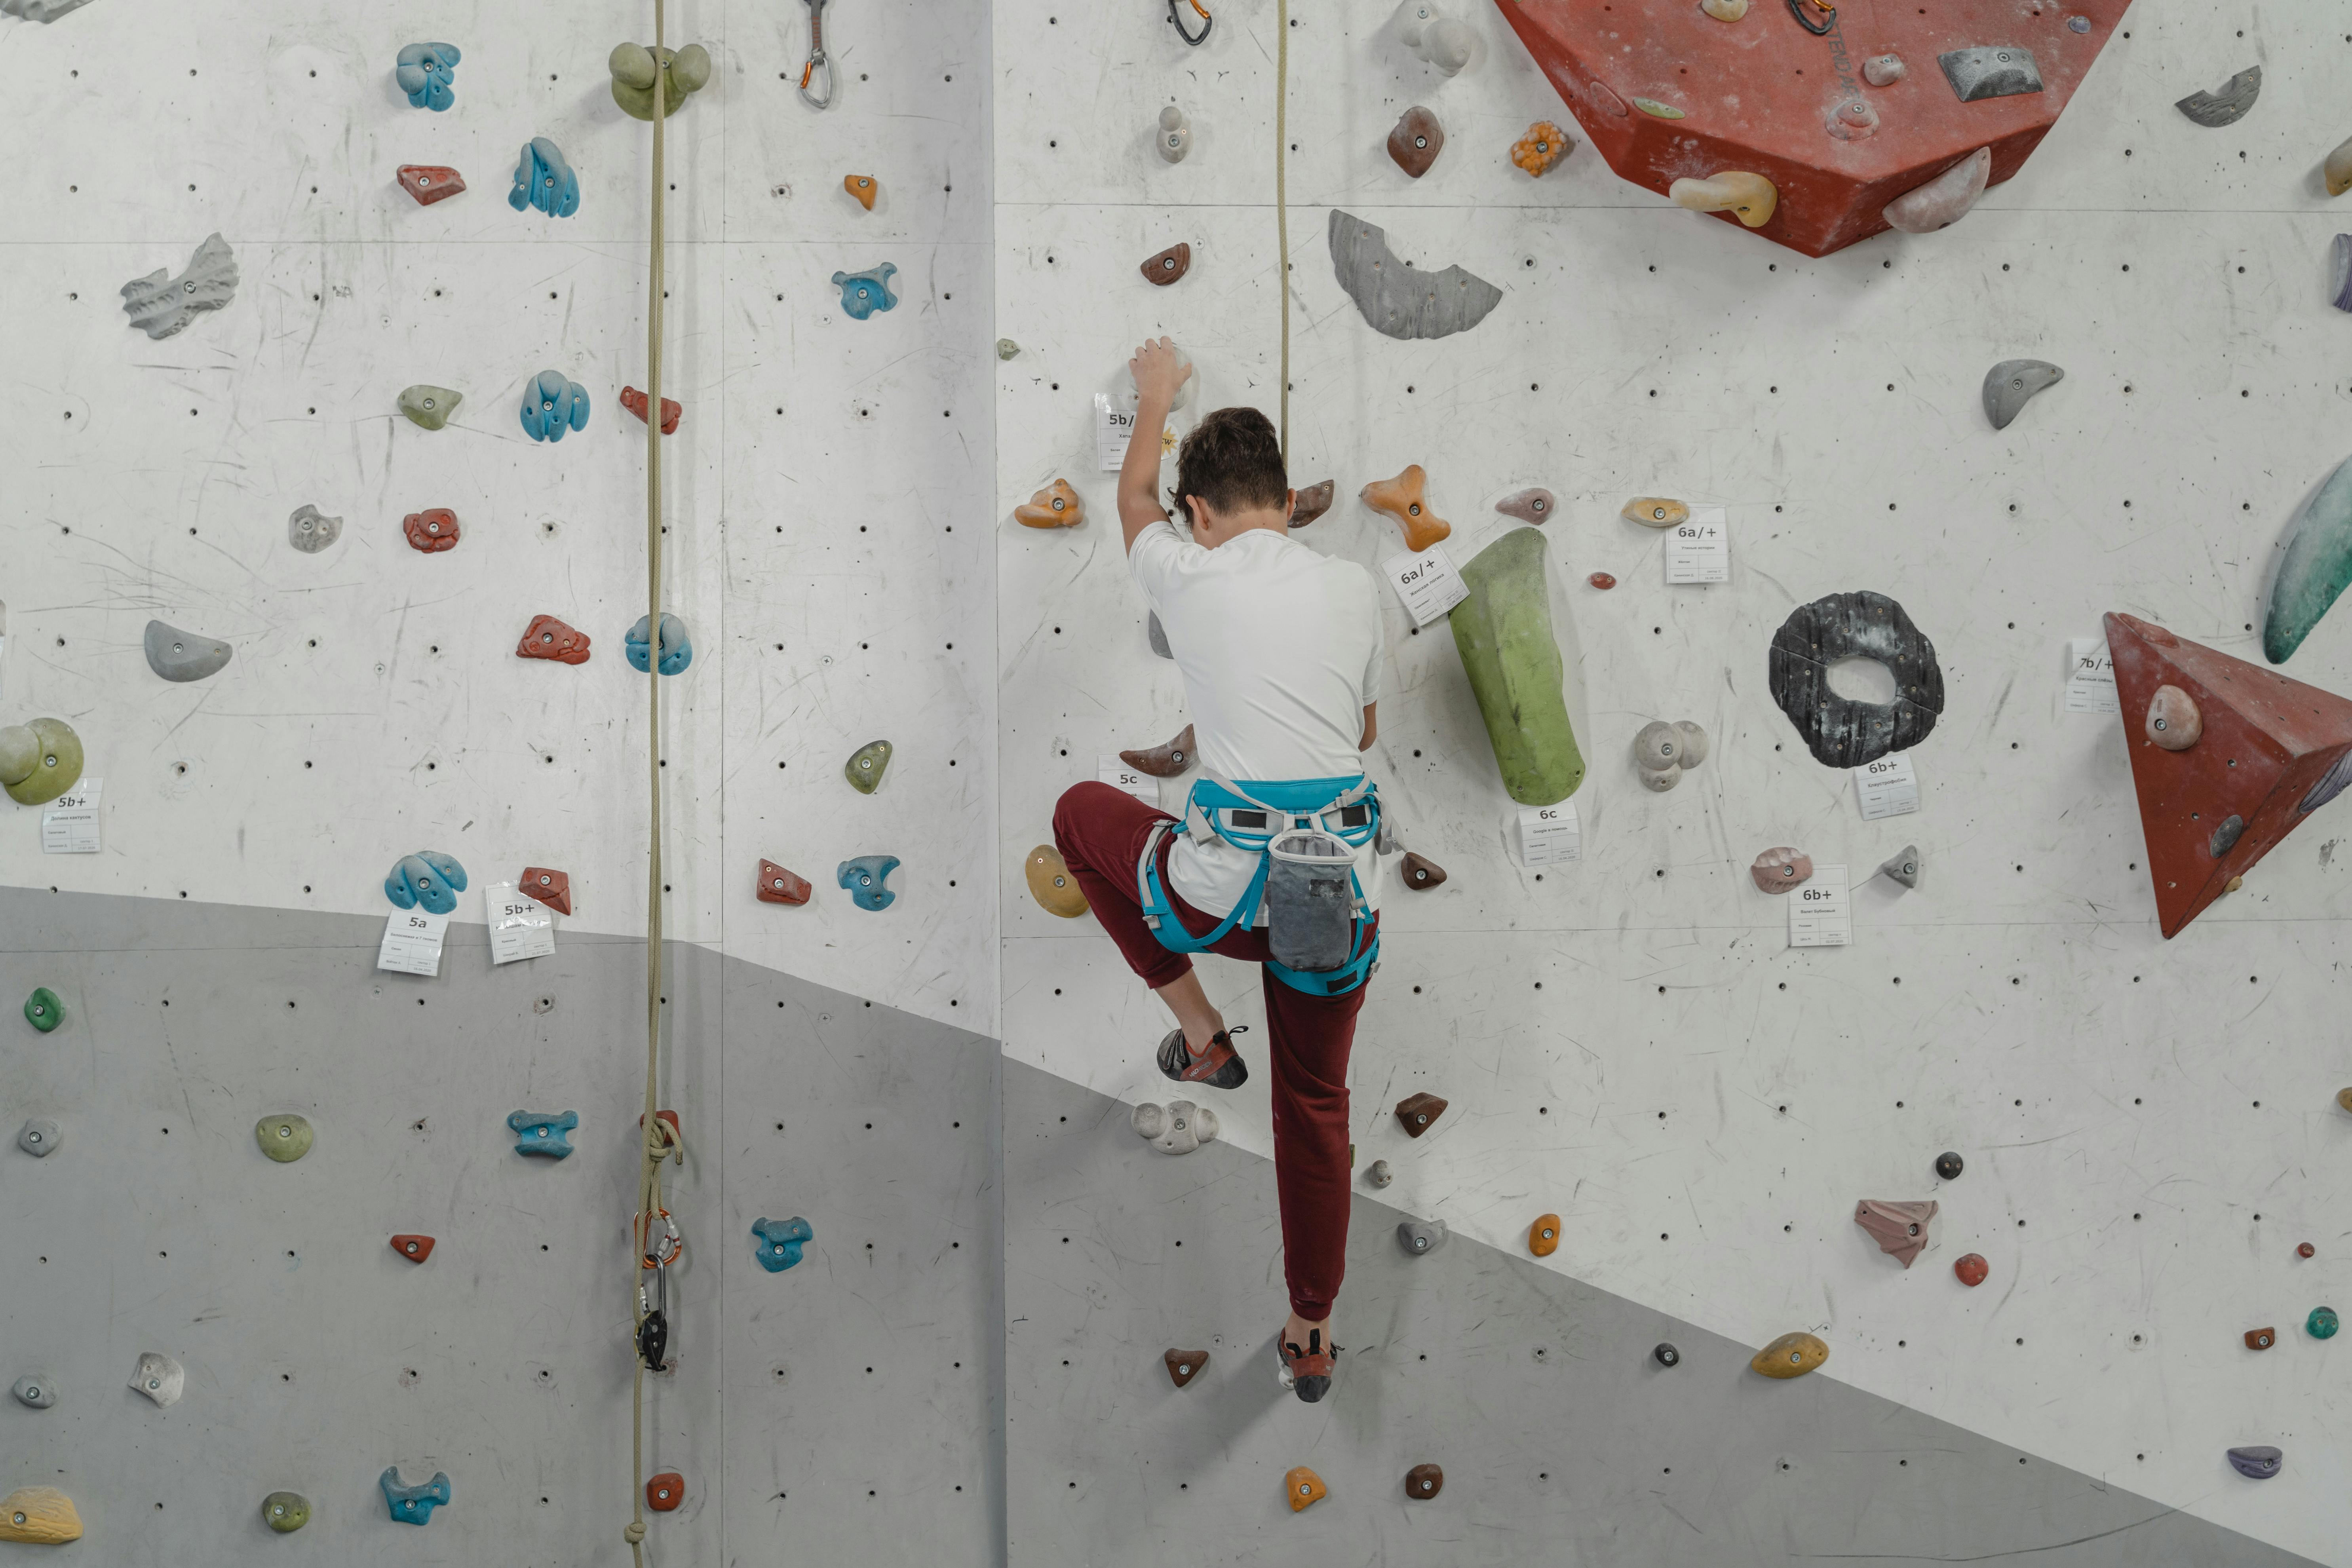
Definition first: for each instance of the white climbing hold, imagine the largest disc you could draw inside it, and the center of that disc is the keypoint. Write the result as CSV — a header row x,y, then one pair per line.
x,y
1176,1128
1175,138
1944,200
159,1378
159,304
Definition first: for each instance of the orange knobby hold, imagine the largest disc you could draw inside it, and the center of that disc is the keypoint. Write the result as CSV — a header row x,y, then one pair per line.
x,y
1543,145
1402,499
1056,506
864,188
432,531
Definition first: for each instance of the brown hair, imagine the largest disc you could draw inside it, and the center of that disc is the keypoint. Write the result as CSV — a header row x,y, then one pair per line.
x,y
1231,460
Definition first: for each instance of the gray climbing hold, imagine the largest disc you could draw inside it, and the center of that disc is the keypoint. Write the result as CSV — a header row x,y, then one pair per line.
x,y
1399,300
183,656
1904,868
2011,383
159,1378
2227,104
37,1389
40,1137
2226,836
1419,1238
39,10
2339,286
1007,349
309,531
429,406
1993,71
159,304
2258,1464
1380,1176
1176,1128
1159,639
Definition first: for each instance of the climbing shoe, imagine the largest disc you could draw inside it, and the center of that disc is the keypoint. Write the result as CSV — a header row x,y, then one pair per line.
x,y
1219,1067
1306,1372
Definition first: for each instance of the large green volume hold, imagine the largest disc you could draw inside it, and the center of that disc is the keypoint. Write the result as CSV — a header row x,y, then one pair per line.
x,y
1503,631
2316,568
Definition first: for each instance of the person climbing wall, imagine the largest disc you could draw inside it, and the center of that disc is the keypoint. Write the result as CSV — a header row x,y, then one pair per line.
x,y
1273,863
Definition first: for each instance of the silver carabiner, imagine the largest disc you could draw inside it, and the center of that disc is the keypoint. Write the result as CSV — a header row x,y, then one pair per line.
x,y
816,64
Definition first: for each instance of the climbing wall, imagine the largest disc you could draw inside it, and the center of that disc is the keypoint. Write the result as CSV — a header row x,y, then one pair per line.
x,y
1631,1040
824,498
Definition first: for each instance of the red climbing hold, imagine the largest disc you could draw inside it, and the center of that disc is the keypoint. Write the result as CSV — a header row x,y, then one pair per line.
x,y
550,888
777,885
416,1248
1602,580
2305,1250
1971,1270
634,402
2271,752
1769,95
664,1493
547,637
430,183
431,531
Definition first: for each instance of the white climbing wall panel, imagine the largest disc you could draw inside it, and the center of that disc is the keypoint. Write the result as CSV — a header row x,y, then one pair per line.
x,y
2149,1127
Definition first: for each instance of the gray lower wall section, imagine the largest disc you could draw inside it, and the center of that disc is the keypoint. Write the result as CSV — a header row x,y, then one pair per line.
x,y
1562,1442
841,1411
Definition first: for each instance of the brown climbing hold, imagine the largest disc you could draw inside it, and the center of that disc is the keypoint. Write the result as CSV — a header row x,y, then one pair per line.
x,y
2261,1339
1163,761
634,402
416,1248
1402,499
547,637
430,183
1900,1230
1056,506
1971,1270
777,885
2344,1098
1168,265
664,1493
1423,1481
1050,884
1655,512
1543,145
1602,580
1416,142
1183,1366
1749,197
550,887
1304,1486
1417,1112
1311,503
1777,870
1543,1237
1421,872
862,187
432,530
2306,1250
2173,721
1791,1355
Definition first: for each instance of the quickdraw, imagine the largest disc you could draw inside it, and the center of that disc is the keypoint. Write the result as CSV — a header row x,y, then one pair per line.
x,y
1177,22
817,64
1799,8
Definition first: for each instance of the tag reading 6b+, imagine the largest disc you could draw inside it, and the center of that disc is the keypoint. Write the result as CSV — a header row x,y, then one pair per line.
x,y
1818,914
1887,786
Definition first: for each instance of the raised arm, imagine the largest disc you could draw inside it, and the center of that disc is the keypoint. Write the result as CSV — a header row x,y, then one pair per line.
x,y
1157,371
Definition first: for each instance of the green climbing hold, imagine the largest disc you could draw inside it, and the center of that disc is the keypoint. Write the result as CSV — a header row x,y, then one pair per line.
x,y
429,406
634,69
283,1139
1503,631
2321,1324
865,769
2317,566
285,1512
39,760
43,1010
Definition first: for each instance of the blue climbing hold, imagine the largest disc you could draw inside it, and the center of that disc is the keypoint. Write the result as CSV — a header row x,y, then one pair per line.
x,y
543,180
424,73
864,876
552,404
863,293
541,1134
414,1505
776,1243
677,647
428,877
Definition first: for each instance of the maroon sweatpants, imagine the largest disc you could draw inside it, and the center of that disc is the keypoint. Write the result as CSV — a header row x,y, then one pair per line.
x,y
1100,832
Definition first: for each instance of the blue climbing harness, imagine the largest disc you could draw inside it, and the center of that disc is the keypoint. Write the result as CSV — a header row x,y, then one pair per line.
x,y
1294,826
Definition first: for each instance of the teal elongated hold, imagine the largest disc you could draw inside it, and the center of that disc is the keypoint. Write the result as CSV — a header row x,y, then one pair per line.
x,y
1502,632
2317,566
539,1134
864,876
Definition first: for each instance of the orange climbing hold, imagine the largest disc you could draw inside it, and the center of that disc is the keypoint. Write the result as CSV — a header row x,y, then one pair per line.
x,y
1791,1355
634,402
547,637
2261,1339
1304,1487
1402,499
1050,884
432,531
777,885
664,1493
416,1248
862,186
1056,506
550,887
1543,145
1543,1237
430,183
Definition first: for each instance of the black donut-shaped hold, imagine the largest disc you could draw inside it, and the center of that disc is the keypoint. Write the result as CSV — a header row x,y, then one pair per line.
x,y
1839,731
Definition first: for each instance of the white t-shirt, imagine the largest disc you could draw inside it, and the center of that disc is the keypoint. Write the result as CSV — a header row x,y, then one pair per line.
x,y
1280,648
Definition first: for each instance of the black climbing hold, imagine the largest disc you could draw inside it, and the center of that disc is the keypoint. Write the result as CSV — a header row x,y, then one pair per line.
x,y
1665,1355
1949,1165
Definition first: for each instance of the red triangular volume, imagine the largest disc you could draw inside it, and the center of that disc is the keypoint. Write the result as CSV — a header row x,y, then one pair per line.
x,y
2271,752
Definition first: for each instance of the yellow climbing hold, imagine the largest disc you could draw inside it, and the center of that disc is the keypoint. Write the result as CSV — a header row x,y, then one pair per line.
x,y
1791,1355
1050,884
39,1516
1724,10
1751,199
1651,107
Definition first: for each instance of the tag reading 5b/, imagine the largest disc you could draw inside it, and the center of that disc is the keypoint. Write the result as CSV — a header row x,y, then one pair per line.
x,y
1114,429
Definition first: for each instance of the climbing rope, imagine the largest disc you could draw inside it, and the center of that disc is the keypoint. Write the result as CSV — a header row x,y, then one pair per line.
x,y
1281,201
661,1140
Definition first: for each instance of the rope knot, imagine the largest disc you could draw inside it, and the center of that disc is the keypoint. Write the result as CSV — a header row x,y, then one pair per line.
x,y
635,1531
